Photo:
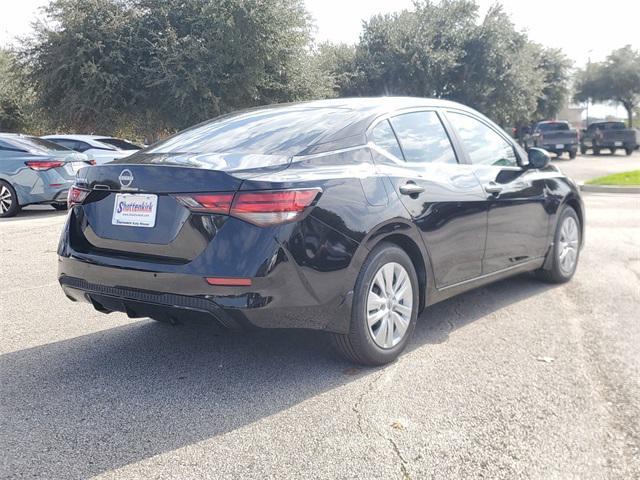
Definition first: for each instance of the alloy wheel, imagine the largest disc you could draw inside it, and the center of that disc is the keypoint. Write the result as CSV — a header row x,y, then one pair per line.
x,y
568,245
389,305
6,199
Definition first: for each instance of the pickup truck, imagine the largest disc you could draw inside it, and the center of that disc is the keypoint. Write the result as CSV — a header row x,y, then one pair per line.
x,y
554,136
610,136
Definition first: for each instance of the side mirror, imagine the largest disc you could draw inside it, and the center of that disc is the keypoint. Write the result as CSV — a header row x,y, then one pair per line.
x,y
538,158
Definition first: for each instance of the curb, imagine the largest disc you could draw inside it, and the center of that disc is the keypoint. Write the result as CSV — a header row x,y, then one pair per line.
x,y
608,189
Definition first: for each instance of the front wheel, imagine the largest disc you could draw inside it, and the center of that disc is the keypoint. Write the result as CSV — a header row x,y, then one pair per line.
x,y
385,308
9,206
59,206
566,249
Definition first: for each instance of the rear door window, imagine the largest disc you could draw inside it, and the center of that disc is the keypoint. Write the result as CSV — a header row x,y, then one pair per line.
x,y
483,144
423,138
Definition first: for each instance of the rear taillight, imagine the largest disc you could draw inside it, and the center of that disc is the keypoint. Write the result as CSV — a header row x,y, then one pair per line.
x,y
41,165
91,162
207,203
75,196
261,208
272,207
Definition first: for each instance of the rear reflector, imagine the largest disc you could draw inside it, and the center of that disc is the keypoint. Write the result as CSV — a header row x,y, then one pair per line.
x,y
229,282
75,196
261,208
41,165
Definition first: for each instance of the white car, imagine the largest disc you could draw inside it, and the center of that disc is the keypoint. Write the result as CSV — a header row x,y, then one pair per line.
x,y
100,148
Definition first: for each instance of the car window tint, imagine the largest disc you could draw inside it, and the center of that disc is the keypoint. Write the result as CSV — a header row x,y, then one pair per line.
x,y
382,135
484,145
9,147
81,146
64,142
423,138
270,131
119,144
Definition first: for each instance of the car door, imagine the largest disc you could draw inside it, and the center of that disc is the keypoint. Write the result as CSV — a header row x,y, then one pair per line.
x,y
443,196
518,221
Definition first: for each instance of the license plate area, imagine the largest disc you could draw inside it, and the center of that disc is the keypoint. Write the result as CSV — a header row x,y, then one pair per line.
x,y
618,144
560,145
135,210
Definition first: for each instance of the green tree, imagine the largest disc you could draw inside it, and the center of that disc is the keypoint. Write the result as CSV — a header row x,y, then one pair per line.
x,y
444,49
166,64
555,67
616,79
15,95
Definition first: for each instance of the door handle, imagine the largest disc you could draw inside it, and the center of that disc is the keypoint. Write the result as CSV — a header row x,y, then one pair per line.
x,y
493,188
411,189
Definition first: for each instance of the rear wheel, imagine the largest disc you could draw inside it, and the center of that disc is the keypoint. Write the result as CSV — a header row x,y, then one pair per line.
x,y
628,151
59,206
572,154
583,150
596,151
566,249
9,206
385,308
613,151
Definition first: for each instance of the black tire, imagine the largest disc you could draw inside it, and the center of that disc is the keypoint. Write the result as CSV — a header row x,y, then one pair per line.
x,y
583,150
358,345
59,206
554,272
573,154
596,151
9,206
628,151
613,151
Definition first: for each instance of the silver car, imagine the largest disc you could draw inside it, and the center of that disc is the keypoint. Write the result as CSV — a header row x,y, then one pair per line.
x,y
35,171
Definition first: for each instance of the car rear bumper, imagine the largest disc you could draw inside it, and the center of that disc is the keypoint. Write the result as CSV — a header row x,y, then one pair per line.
x,y
179,297
555,147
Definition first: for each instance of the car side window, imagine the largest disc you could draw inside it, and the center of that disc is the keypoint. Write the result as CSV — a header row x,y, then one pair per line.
x,y
483,144
382,135
64,142
423,138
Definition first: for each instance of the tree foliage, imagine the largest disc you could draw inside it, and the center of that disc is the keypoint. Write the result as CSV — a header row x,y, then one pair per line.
x,y
16,98
616,79
168,63
161,65
445,50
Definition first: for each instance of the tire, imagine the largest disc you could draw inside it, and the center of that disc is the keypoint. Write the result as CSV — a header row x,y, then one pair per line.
x,y
583,150
9,206
596,150
567,239
377,345
613,151
628,151
59,206
573,154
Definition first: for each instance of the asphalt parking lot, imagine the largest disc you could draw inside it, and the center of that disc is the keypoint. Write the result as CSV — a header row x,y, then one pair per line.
x,y
515,380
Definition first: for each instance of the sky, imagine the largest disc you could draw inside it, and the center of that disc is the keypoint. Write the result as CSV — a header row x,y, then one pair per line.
x,y
583,29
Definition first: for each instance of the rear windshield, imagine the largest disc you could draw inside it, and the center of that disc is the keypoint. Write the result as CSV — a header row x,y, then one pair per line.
x,y
282,131
119,144
35,144
608,126
553,126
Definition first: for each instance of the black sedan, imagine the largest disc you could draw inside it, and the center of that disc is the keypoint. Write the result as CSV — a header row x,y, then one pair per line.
x,y
349,216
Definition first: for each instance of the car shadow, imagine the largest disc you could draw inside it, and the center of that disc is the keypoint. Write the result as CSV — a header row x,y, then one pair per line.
x,y
87,405
39,211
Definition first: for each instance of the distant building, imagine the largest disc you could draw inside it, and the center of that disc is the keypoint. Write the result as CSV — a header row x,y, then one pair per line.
x,y
574,115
